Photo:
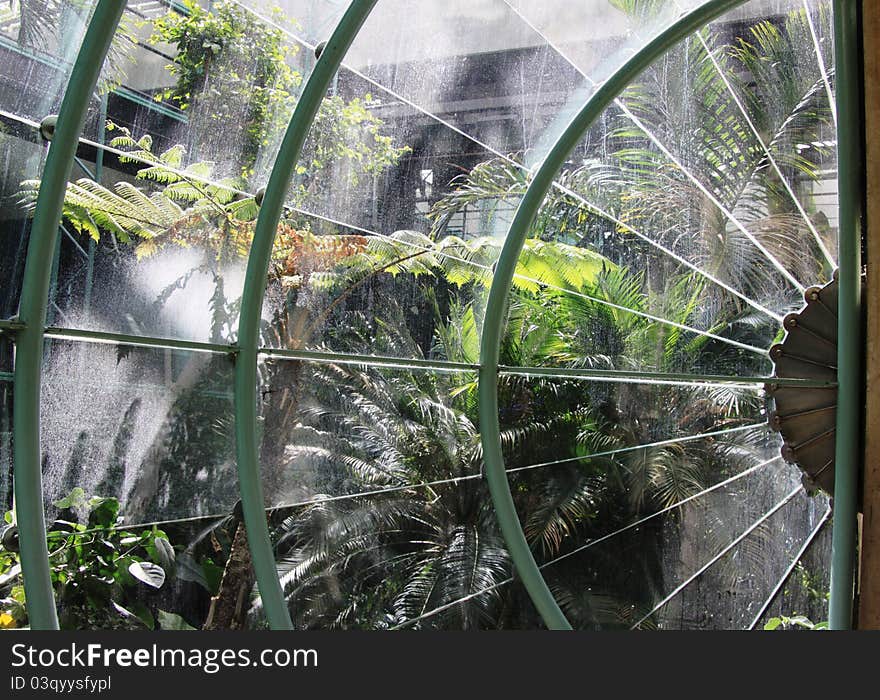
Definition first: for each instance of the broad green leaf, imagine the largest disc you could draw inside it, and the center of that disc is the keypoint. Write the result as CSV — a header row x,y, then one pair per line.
x,y
148,573
75,499
188,569
103,512
172,621
131,615
161,552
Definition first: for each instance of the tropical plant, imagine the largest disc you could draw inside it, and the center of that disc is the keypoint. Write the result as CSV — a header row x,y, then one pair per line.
x,y
789,622
425,533
235,78
177,200
725,167
100,570
409,443
673,185
377,560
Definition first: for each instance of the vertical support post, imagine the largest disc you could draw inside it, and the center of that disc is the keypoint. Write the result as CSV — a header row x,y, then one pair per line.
x,y
53,281
99,171
869,583
32,313
256,276
850,349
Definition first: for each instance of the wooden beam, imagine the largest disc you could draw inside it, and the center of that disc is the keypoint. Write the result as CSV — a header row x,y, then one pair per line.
x,y
869,584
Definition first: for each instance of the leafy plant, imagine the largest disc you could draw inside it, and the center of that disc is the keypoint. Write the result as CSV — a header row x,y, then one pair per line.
x,y
796,621
424,535
812,584
102,573
234,76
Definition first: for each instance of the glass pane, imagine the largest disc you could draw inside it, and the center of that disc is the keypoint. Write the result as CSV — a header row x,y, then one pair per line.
x,y
639,505
38,54
708,189
149,427
464,85
805,591
39,42
363,464
731,592
375,479
23,158
188,137
681,231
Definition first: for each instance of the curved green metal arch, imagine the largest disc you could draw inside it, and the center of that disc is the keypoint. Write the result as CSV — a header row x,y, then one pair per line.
x,y
32,314
256,276
496,305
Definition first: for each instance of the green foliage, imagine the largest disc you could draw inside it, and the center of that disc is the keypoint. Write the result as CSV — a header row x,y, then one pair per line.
x,y
465,262
381,559
637,188
173,622
796,621
232,72
813,584
410,549
178,205
37,20
175,205
644,11
235,77
496,185
349,135
101,571
340,430
786,103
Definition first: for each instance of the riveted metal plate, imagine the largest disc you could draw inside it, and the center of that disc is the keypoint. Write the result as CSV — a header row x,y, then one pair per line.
x,y
805,417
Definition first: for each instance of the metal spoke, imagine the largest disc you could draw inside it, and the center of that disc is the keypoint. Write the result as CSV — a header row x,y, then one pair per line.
x,y
588,545
791,567
619,224
714,560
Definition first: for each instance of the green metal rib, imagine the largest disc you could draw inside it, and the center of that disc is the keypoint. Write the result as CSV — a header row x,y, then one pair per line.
x,y
850,380
32,314
496,306
247,447
415,363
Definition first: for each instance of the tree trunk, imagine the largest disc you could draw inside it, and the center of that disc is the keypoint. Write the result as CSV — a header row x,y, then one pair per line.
x,y
229,607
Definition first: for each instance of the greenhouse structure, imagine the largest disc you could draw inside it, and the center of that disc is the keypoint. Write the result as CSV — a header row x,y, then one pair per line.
x,y
463,315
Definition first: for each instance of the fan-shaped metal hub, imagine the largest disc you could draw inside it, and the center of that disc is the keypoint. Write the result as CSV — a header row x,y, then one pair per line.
x,y
806,416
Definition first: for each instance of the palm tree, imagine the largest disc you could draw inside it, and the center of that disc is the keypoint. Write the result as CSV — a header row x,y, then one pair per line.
x,y
426,536
686,107
365,448
743,127
753,166
377,560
